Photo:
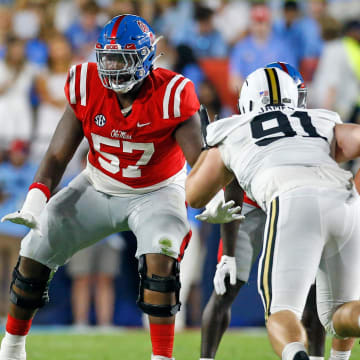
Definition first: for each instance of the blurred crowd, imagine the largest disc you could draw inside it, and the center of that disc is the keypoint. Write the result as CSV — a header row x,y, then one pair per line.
x,y
215,43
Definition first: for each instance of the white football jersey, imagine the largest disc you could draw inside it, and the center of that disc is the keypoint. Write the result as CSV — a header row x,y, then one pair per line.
x,y
276,149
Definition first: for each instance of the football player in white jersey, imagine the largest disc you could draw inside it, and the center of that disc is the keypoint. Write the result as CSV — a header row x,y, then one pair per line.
x,y
237,260
285,159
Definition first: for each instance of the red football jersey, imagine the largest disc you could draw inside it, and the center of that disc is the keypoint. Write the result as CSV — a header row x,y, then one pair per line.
x,y
138,150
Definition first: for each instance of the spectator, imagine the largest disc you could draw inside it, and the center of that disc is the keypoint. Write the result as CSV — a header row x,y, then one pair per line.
x,y
66,12
336,84
313,44
83,33
16,79
15,177
172,17
210,99
257,49
37,16
93,271
49,87
122,7
202,36
5,25
232,20
344,10
187,65
289,27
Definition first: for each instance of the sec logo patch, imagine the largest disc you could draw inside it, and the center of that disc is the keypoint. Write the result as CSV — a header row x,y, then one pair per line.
x,y
100,120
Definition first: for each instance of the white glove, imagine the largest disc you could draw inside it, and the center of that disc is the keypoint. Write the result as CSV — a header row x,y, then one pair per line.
x,y
29,214
217,211
227,265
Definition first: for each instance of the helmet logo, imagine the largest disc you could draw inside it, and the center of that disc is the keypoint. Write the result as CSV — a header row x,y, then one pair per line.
x,y
112,47
144,28
100,120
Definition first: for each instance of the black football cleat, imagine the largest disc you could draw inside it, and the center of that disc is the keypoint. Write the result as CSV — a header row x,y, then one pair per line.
x,y
301,355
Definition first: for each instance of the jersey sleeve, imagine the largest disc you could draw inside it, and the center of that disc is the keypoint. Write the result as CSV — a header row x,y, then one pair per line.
x,y
180,100
76,89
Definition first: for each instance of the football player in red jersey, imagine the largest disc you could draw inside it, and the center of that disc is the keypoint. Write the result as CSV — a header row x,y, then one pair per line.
x,y
141,124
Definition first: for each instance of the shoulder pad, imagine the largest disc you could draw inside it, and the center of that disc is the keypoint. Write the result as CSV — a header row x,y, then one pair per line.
x,y
220,129
326,115
77,83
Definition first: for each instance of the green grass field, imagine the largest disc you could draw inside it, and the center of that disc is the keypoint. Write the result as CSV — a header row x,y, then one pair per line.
x,y
135,345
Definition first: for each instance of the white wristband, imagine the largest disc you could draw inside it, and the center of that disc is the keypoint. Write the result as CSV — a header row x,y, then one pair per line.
x,y
35,202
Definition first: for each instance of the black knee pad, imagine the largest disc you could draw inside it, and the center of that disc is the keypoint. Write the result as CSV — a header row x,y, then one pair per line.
x,y
160,284
28,286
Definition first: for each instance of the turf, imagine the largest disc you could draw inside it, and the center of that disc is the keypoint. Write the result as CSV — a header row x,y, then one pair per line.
x,y
135,345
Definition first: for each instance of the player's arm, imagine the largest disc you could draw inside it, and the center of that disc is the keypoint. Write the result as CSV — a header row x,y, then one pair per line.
x,y
64,142
229,231
63,145
188,136
347,145
357,181
207,177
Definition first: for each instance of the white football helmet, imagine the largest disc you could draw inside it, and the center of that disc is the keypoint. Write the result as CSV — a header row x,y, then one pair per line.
x,y
267,86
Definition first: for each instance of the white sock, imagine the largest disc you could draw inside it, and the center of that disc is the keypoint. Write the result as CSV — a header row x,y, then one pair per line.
x,y
316,357
158,357
206,358
291,349
339,355
13,346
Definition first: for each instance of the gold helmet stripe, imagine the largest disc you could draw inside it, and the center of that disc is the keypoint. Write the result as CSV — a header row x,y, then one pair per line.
x,y
274,86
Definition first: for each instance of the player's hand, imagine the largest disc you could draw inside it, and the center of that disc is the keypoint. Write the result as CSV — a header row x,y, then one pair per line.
x,y
24,218
226,266
217,211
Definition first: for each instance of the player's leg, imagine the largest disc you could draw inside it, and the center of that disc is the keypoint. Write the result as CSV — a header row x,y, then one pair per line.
x,y
159,221
338,287
29,291
216,319
65,225
217,312
337,279
287,268
341,348
315,331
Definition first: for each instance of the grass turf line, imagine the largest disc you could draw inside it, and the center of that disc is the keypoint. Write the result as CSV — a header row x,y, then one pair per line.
x,y
135,345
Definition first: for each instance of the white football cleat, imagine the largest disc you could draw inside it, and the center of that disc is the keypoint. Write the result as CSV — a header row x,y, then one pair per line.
x,y
158,357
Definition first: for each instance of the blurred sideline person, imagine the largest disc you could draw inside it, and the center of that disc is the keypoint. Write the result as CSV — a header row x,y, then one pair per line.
x,y
312,206
217,312
16,174
142,125
93,272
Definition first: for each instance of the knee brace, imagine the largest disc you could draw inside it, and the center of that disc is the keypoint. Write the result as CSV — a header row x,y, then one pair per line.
x,y
160,284
29,286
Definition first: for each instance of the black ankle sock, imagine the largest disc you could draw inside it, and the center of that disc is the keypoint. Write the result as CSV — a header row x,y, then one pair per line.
x,y
301,355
